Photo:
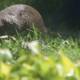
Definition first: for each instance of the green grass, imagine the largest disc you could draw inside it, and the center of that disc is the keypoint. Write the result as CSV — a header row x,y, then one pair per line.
x,y
36,57
50,45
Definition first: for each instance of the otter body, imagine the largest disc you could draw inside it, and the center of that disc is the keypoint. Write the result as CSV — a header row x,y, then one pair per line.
x,y
20,17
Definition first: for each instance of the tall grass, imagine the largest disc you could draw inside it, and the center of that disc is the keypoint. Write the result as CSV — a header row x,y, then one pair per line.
x,y
34,57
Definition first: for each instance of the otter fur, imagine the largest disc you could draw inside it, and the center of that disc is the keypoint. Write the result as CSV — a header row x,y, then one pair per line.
x,y
20,17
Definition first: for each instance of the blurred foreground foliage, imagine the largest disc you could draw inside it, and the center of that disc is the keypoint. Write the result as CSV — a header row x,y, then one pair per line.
x,y
29,61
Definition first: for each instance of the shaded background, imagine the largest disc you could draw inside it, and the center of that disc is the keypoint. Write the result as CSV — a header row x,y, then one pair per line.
x,y
60,16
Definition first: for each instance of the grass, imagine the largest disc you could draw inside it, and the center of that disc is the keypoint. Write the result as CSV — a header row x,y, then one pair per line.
x,y
34,57
51,45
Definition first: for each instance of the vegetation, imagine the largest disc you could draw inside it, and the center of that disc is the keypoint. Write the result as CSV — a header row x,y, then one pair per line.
x,y
33,58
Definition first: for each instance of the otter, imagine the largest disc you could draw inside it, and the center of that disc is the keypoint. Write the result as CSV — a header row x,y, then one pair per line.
x,y
20,17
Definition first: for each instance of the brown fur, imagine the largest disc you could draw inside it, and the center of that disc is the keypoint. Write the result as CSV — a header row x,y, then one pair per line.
x,y
20,17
